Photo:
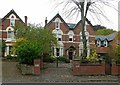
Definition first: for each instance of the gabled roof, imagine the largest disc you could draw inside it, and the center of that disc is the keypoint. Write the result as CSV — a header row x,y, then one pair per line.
x,y
11,12
71,26
81,21
57,15
108,37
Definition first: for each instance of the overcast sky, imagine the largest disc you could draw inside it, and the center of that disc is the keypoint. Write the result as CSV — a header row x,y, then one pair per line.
x,y
37,10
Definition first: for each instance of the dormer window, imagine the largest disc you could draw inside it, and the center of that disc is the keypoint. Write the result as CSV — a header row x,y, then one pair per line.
x,y
105,43
57,23
98,43
12,22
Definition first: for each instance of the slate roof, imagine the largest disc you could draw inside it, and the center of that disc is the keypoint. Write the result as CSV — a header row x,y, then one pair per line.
x,y
71,25
108,37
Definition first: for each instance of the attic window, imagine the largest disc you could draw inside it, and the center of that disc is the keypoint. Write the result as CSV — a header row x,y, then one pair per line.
x,y
106,43
12,22
98,43
57,23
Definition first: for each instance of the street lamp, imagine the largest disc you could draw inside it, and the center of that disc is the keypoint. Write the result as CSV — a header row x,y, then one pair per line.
x,y
57,53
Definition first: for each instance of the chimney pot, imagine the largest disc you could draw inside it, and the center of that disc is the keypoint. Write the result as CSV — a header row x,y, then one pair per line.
x,y
45,21
26,20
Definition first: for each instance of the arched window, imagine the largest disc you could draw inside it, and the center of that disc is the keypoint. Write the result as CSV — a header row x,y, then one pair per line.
x,y
57,23
87,36
58,34
12,21
10,33
71,34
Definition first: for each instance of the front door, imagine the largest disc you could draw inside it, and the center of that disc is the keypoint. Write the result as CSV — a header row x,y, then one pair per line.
x,y
70,54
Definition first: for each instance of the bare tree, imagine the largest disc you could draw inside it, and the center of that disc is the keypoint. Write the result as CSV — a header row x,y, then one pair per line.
x,y
82,7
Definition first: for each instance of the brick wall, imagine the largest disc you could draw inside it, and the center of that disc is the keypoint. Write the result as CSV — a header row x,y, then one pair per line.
x,y
115,69
88,69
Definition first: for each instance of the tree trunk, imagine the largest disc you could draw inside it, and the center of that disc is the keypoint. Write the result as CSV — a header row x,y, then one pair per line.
x,y
83,18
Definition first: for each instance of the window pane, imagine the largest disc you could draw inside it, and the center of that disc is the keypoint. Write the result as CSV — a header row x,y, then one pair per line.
x,y
70,39
59,39
12,22
9,34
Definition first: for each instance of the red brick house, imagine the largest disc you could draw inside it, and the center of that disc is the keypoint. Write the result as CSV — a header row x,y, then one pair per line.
x,y
106,43
69,37
7,25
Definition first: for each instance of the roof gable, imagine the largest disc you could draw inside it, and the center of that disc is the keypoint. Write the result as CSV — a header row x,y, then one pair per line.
x,y
57,16
12,12
81,21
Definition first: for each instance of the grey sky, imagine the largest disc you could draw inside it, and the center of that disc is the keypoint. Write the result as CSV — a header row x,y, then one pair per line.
x,y
37,10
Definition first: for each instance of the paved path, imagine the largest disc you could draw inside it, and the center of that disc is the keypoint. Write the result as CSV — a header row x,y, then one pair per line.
x,y
51,74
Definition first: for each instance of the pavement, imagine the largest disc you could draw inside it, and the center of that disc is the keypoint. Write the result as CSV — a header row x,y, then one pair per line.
x,y
51,74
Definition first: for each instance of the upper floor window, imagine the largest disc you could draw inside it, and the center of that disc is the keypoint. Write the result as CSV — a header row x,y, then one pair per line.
x,y
12,22
87,36
71,34
70,37
59,37
57,23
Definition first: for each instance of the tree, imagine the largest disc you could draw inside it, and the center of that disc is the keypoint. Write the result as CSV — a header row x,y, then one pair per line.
x,y
3,48
104,31
98,27
82,7
40,37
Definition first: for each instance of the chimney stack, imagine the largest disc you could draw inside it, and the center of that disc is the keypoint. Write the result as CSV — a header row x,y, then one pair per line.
x,y
26,20
45,21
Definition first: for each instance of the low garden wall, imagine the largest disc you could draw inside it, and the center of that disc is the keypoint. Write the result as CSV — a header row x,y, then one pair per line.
x,y
31,69
115,69
88,69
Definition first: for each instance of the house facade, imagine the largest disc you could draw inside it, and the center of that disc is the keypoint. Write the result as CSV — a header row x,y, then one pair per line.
x,y
69,37
8,22
104,44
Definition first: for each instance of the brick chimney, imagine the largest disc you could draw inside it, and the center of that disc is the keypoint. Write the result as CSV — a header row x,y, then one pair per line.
x,y
46,21
26,20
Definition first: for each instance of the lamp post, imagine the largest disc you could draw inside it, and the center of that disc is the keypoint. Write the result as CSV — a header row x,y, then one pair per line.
x,y
57,51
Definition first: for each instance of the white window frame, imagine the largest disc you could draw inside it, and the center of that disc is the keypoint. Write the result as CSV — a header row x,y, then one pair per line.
x,y
105,43
70,37
98,43
57,23
12,20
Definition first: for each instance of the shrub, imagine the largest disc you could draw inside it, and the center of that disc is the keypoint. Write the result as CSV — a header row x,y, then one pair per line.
x,y
93,58
62,58
67,61
118,59
27,52
9,57
49,59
